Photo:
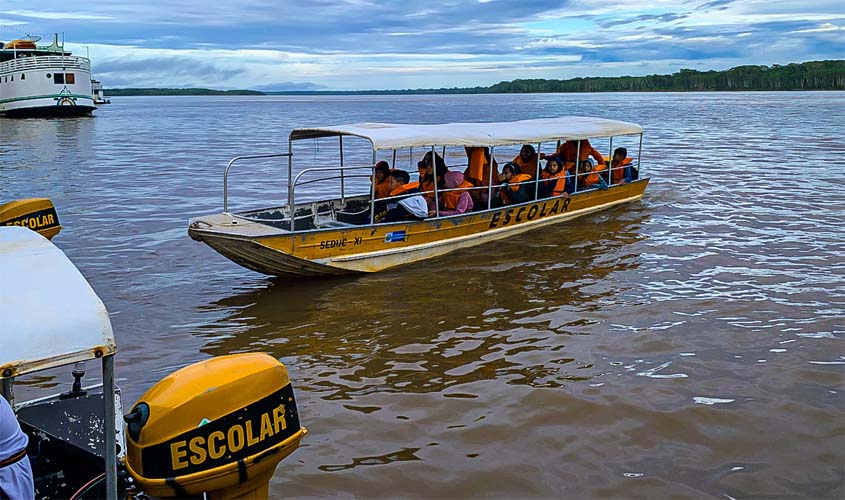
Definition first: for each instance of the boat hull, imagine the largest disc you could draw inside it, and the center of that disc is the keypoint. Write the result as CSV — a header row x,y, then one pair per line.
x,y
362,249
49,110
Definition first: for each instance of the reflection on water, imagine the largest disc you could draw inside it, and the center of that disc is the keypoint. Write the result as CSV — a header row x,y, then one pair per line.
x,y
428,328
689,345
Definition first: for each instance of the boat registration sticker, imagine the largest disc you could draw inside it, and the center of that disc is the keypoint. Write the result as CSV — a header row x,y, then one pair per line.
x,y
394,236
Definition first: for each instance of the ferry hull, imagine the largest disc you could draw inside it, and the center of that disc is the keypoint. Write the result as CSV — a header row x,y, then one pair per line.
x,y
48,108
361,249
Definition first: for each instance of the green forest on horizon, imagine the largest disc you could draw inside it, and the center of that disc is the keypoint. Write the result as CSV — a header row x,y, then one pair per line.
x,y
811,75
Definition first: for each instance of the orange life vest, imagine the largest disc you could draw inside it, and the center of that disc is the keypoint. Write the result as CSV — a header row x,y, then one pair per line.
x,y
592,178
558,181
383,188
504,192
478,170
618,170
450,198
527,167
404,188
569,150
517,179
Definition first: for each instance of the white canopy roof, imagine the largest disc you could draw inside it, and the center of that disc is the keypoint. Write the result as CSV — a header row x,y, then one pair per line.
x,y
398,136
49,314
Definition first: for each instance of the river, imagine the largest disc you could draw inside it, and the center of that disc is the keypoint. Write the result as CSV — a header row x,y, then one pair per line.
x,y
689,345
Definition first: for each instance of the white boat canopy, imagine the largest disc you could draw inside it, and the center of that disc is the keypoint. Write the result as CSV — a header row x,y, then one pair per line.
x,y
50,314
398,136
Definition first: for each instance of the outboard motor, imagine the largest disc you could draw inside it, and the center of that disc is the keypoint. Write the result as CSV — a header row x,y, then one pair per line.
x,y
37,214
218,427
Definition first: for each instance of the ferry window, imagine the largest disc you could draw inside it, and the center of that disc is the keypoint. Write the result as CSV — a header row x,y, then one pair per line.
x,y
49,75
23,76
13,77
70,78
59,78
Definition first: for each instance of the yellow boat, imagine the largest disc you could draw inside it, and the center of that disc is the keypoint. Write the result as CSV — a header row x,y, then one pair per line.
x,y
342,235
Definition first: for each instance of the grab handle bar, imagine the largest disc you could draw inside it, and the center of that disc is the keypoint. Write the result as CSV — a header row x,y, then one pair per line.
x,y
232,162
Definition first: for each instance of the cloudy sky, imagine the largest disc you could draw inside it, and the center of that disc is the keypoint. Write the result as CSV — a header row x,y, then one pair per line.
x,y
364,44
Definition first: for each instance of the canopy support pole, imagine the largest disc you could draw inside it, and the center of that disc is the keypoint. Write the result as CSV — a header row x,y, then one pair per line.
x,y
610,164
577,165
434,173
394,159
373,190
639,153
490,181
342,187
290,183
109,425
537,177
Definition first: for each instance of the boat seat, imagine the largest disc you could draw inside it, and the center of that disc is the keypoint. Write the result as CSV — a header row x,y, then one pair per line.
x,y
335,224
353,218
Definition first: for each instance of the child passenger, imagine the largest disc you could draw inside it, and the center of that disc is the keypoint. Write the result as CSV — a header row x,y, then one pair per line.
x,y
620,167
455,202
553,178
591,175
411,207
511,190
381,179
527,159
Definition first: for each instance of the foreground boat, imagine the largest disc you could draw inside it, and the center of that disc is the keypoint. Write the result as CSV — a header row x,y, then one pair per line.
x,y
43,80
341,235
220,426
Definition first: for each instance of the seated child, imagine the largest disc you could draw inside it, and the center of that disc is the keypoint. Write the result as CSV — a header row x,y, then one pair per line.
x,y
553,178
411,207
620,167
511,191
381,179
590,175
455,202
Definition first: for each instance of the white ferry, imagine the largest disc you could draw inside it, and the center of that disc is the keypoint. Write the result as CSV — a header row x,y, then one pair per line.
x,y
97,93
43,80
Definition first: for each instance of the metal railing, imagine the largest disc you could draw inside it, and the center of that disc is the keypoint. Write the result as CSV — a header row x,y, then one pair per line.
x,y
45,62
232,162
296,182
293,182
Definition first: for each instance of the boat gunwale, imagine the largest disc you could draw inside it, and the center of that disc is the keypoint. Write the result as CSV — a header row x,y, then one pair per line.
x,y
241,215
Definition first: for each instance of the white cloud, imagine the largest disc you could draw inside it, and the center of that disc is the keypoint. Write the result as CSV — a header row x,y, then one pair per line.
x,y
823,28
57,15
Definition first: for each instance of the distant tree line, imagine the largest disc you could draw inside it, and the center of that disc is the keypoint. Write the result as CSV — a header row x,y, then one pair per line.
x,y
815,75
812,75
123,92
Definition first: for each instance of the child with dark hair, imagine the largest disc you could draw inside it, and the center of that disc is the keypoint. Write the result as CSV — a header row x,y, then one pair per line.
x,y
553,179
381,179
511,190
427,178
410,207
621,170
527,159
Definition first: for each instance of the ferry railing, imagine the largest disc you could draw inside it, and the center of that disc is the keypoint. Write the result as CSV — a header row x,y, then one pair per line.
x,y
45,62
237,159
536,181
296,182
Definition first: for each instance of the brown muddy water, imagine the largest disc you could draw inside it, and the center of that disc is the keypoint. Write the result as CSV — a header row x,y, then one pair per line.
x,y
691,345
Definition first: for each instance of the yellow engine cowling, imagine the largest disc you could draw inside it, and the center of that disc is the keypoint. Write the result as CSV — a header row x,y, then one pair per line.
x,y
219,426
37,214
